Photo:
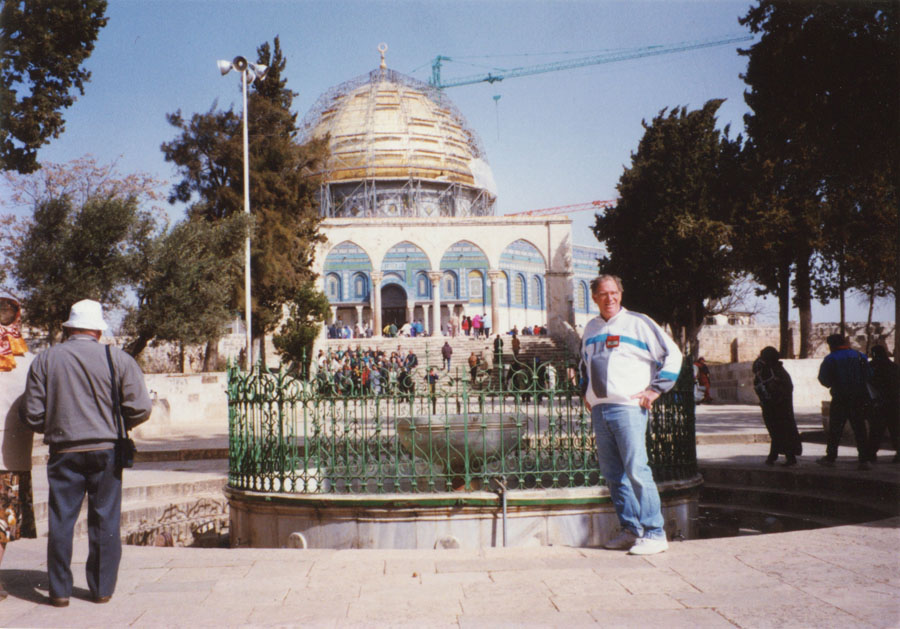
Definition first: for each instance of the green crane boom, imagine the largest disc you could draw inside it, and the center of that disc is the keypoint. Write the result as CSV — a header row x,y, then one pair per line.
x,y
609,57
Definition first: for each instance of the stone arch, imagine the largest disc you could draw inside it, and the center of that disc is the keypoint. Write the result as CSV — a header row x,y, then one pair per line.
x,y
346,260
406,260
393,302
464,258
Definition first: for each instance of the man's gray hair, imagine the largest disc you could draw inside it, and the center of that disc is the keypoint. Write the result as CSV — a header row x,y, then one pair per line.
x,y
595,283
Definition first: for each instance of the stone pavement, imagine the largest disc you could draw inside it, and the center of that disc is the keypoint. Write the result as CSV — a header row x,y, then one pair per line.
x,y
846,576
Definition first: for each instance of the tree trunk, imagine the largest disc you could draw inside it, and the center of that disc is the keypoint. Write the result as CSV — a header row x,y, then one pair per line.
x,y
181,357
804,303
261,354
136,346
211,355
869,318
842,289
785,340
897,300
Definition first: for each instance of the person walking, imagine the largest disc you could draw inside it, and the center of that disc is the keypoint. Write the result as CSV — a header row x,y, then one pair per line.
x,y
486,325
775,390
446,353
473,366
628,361
431,378
884,381
845,372
69,397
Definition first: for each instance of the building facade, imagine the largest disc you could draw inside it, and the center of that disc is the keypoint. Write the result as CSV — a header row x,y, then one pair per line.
x,y
408,206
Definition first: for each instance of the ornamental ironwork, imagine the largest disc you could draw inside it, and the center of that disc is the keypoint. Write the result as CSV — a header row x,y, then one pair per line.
x,y
363,429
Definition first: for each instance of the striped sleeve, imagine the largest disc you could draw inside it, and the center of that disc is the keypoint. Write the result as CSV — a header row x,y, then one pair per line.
x,y
667,355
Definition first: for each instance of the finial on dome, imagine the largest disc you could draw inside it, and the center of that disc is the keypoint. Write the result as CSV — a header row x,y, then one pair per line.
x,y
382,48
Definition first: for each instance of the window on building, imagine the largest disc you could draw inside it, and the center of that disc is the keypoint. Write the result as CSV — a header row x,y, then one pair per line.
x,y
518,294
359,287
333,287
422,285
534,296
476,288
448,286
503,289
581,303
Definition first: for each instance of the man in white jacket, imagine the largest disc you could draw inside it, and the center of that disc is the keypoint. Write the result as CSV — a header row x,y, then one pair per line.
x,y
628,361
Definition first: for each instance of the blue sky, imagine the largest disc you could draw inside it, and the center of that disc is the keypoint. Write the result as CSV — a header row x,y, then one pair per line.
x,y
552,139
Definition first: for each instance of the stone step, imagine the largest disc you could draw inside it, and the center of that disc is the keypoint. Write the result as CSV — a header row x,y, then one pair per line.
x,y
729,520
800,503
877,492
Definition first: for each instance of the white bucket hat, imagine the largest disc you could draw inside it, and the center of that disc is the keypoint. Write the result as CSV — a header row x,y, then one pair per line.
x,y
87,314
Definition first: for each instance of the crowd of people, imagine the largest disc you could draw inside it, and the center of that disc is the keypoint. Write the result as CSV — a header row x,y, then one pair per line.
x,y
365,371
478,327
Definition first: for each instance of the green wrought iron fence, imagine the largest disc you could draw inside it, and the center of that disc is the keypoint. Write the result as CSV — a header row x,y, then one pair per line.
x,y
341,433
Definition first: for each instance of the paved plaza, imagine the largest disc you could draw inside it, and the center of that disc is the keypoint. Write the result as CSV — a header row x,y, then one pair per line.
x,y
847,576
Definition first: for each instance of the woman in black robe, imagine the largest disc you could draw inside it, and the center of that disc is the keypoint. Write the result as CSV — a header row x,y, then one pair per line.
x,y
775,390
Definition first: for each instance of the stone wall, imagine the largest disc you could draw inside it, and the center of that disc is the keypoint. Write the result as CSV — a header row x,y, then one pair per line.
x,y
742,343
733,383
186,404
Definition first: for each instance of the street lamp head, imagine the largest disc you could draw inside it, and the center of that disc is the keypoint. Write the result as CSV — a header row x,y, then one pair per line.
x,y
240,64
258,71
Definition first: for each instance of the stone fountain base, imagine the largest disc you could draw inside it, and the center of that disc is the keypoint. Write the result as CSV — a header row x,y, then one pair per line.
x,y
580,517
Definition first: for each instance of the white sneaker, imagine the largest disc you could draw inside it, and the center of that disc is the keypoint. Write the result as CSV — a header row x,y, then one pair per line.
x,y
648,546
623,541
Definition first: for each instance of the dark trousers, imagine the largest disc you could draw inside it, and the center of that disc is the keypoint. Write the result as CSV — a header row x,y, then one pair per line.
x,y
842,411
72,475
884,416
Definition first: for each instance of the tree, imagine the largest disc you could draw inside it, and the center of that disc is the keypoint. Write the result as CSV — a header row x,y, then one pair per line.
x,y
283,192
829,137
42,46
765,248
71,253
88,223
306,312
184,283
669,237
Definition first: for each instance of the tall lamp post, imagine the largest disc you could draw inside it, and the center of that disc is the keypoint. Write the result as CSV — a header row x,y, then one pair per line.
x,y
255,71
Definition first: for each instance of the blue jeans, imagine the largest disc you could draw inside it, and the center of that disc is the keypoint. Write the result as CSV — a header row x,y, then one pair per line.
x,y
620,431
71,476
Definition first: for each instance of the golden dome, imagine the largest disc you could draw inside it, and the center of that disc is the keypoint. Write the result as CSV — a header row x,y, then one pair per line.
x,y
385,125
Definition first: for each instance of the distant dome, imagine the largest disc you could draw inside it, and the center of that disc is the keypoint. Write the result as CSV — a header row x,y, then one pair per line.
x,y
385,126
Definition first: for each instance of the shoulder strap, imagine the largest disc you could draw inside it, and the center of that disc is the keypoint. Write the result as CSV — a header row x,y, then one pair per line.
x,y
117,410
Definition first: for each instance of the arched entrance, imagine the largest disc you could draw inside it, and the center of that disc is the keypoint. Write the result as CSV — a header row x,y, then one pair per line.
x,y
393,305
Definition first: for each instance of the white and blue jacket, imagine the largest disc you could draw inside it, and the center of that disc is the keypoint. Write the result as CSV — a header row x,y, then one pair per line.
x,y
624,356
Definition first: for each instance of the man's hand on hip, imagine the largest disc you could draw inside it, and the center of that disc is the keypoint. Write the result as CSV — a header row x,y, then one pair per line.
x,y
645,398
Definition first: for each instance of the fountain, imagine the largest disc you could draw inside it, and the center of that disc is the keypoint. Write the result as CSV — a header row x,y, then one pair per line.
x,y
468,465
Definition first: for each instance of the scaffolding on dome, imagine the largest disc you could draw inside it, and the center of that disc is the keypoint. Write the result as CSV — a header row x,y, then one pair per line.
x,y
398,148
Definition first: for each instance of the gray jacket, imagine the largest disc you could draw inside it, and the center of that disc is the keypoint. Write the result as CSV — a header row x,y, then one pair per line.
x,y
68,395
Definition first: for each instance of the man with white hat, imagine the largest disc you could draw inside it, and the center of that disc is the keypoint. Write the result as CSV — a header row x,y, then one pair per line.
x,y
69,398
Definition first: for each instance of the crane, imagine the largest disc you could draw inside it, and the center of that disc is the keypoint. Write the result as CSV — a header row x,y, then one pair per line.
x,y
568,209
608,57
